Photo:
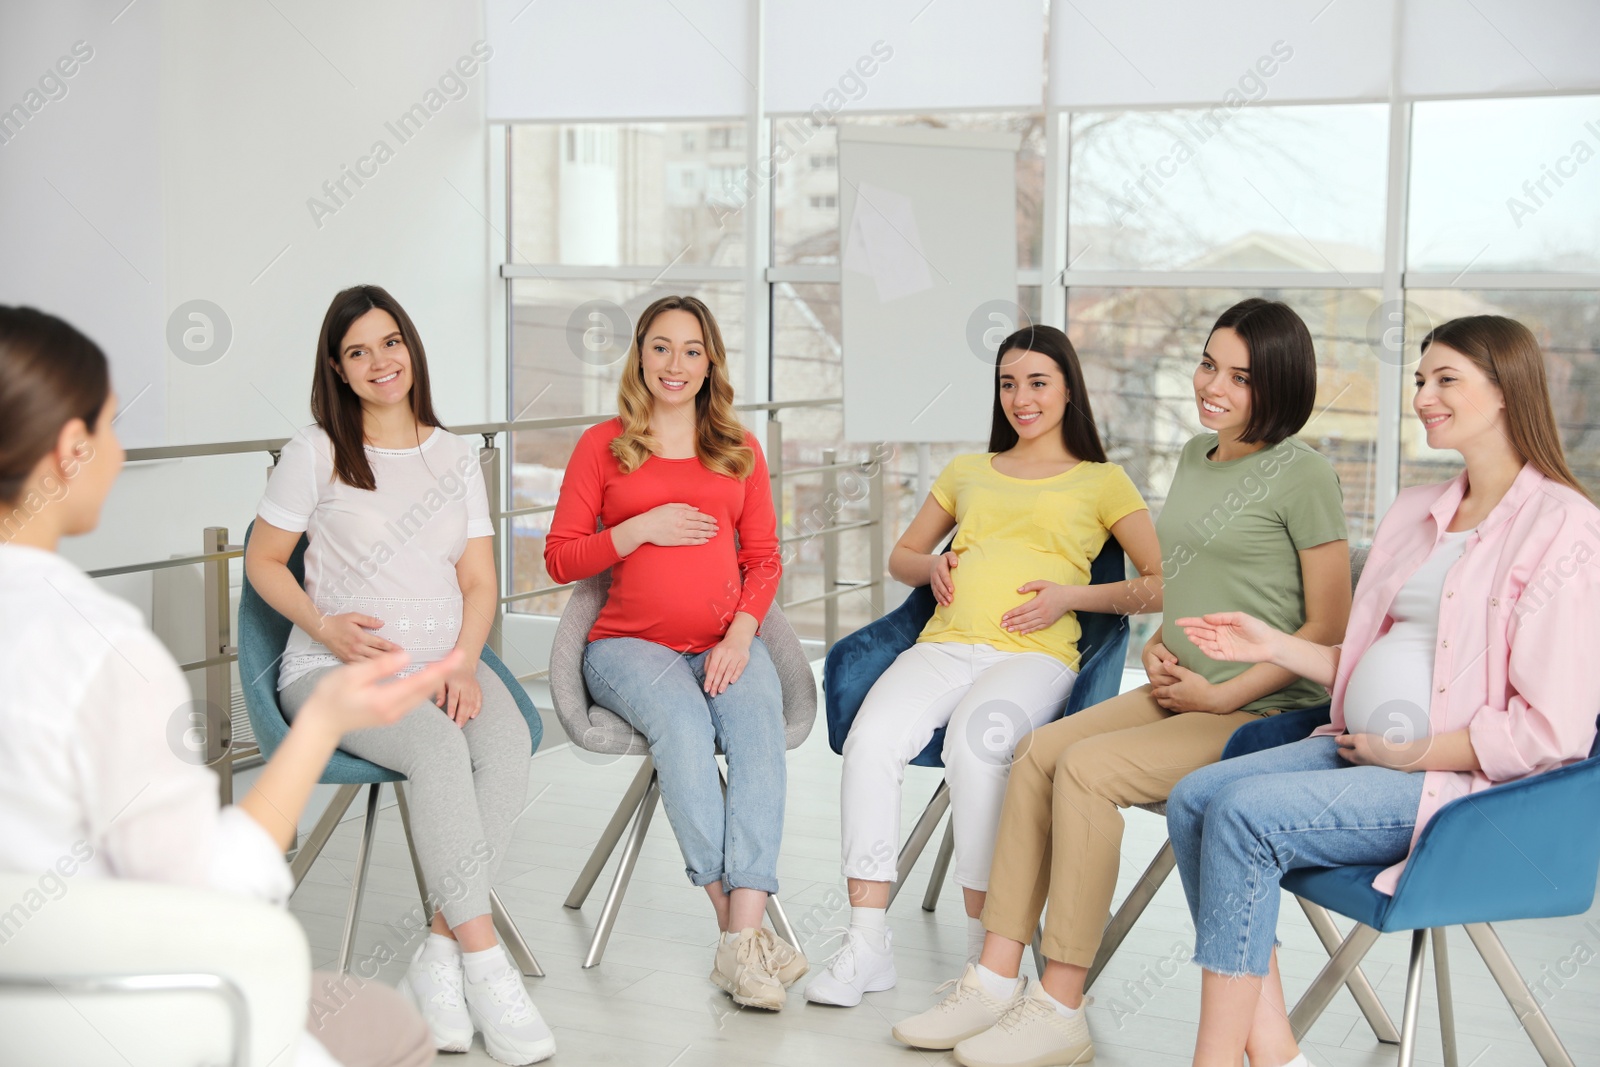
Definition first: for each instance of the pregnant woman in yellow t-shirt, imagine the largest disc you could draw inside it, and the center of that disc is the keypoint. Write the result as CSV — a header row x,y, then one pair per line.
x,y
999,656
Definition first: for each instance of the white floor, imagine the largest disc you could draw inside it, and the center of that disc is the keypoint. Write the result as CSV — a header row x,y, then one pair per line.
x,y
649,1003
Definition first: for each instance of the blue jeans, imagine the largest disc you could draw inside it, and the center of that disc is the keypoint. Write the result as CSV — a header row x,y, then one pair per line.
x,y
661,694
1238,825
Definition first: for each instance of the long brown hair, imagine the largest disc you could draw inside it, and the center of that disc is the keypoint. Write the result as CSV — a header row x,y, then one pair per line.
x,y
1078,431
335,405
719,435
1509,356
50,374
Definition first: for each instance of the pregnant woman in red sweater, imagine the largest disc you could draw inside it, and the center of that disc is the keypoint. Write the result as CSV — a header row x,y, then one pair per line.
x,y
671,480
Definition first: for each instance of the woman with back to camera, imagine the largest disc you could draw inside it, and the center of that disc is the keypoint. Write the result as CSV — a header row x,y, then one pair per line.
x,y
1466,664
400,556
86,765
1030,516
1254,517
676,649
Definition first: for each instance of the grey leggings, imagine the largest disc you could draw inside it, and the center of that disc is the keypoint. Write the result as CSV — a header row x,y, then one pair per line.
x,y
466,786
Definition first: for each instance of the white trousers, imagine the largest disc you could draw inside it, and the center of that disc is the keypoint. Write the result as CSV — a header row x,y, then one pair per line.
x,y
990,700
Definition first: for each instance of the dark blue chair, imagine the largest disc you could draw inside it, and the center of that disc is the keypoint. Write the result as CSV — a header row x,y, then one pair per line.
x,y
1523,850
855,662
263,635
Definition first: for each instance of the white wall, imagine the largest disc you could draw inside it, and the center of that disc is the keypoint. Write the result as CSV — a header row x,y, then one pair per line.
x,y
193,141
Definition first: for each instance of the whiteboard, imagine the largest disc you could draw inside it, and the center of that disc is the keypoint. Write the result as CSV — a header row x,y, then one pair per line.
x,y
928,278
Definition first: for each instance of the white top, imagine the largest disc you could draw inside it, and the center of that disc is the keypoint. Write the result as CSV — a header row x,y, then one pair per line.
x,y
390,552
1391,689
94,765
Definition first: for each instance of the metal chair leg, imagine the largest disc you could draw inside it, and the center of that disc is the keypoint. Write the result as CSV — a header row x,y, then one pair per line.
x,y
512,938
1517,994
1447,1008
1361,989
308,852
1408,1021
619,884
411,846
1344,959
626,810
358,884
1139,898
1037,946
920,836
941,867
780,922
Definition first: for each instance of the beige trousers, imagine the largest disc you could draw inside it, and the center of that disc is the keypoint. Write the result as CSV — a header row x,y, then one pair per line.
x,y
364,1023
1061,828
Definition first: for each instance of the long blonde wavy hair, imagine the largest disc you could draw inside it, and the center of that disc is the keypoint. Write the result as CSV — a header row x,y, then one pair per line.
x,y
719,435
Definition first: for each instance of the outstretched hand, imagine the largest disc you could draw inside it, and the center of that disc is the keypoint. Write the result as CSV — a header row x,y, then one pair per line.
x,y
1232,637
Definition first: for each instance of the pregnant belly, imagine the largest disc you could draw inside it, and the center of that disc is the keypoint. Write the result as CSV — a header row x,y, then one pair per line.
x,y
1391,687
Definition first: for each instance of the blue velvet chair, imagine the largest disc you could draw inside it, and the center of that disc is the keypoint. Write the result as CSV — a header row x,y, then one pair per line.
x,y
855,662
263,635
1523,850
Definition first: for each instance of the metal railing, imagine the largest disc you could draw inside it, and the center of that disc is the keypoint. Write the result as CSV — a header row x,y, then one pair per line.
x,y
219,652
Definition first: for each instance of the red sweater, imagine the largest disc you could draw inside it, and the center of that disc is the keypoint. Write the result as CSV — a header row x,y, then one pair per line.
x,y
682,596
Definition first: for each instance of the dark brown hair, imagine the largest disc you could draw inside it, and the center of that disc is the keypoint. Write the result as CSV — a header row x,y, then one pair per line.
x,y
1078,430
1509,356
50,374
335,405
1283,367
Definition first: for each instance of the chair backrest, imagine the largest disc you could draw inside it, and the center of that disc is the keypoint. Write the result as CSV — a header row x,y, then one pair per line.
x,y
857,660
598,729
263,635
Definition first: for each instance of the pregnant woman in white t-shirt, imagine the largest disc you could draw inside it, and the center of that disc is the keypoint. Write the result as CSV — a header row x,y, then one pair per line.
x,y
400,557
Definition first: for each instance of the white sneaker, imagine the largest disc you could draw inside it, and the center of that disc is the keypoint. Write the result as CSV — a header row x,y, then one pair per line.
x,y
968,1011
512,1028
434,986
744,968
855,969
1032,1034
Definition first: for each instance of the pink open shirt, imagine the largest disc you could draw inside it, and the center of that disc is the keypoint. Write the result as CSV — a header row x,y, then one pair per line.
x,y
1518,623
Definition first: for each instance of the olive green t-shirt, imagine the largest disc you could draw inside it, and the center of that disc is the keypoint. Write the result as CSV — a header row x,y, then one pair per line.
x,y
1231,534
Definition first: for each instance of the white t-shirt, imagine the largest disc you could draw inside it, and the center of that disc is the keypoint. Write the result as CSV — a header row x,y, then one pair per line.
x,y
1391,689
390,552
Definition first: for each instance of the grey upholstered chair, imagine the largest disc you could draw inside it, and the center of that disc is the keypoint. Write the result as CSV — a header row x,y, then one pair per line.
x,y
597,729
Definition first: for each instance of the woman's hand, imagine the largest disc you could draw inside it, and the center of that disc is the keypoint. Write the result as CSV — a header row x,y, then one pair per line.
x,y
672,524
366,693
1232,636
352,637
459,695
1191,692
940,580
1376,750
1048,605
1158,663
726,662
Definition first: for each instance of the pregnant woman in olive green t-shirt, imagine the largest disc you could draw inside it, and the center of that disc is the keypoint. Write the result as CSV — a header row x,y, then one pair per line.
x,y
1254,517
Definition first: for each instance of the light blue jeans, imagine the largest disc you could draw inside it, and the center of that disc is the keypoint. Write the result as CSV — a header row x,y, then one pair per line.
x,y
661,694
1238,825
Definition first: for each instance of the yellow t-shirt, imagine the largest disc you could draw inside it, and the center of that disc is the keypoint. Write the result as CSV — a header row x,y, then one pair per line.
x,y
1010,531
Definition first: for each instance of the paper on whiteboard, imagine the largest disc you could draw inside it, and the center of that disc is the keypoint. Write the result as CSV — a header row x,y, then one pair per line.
x,y
884,243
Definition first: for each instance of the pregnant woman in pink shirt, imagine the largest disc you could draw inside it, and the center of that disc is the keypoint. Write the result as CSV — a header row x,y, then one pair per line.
x,y
1466,664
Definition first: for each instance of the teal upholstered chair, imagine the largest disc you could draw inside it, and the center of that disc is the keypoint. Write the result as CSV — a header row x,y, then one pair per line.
x,y
263,635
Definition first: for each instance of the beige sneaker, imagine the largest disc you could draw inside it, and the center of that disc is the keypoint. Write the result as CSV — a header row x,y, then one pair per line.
x,y
1032,1034
743,971
786,963
966,1012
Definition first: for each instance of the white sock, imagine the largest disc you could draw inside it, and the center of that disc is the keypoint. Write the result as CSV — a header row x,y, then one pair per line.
x,y
482,966
975,936
1071,1012
997,986
873,925
1299,1061
440,947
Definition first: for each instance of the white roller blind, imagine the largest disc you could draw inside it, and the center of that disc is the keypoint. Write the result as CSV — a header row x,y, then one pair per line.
x,y
618,59
1490,46
1110,53
846,55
